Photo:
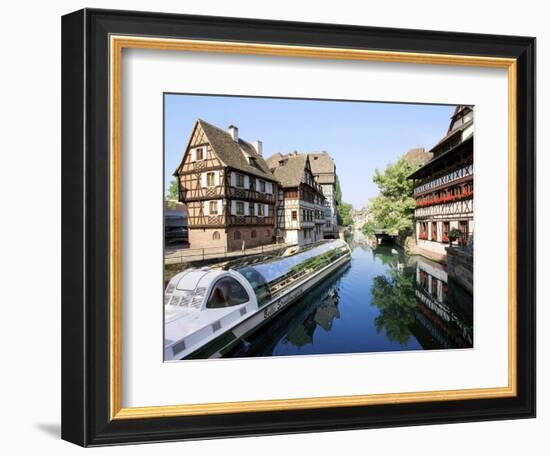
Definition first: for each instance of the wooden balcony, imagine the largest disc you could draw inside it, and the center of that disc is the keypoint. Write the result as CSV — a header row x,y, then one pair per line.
x,y
206,221
238,220
455,177
201,194
456,209
250,195
208,193
431,201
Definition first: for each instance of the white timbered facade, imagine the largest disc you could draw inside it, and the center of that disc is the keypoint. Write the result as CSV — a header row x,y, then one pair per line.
x,y
324,171
300,203
228,190
444,187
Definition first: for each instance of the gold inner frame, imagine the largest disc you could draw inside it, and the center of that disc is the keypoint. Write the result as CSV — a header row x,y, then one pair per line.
x,y
117,44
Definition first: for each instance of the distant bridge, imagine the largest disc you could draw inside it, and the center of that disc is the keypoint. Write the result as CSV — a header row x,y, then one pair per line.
x,y
383,236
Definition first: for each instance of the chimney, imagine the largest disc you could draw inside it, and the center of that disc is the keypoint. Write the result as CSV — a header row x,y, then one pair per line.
x,y
258,146
234,132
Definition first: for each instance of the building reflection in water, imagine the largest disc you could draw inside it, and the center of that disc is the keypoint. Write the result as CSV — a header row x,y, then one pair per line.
x,y
445,309
384,300
416,299
297,325
322,316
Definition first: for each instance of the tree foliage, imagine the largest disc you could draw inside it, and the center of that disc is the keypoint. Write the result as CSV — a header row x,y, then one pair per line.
x,y
172,192
338,191
343,211
393,208
393,295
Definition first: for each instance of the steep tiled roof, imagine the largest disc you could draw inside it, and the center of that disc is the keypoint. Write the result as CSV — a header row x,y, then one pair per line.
x,y
421,172
418,156
231,153
322,166
451,134
289,173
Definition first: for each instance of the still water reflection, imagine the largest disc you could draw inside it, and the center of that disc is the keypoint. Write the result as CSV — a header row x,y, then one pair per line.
x,y
383,301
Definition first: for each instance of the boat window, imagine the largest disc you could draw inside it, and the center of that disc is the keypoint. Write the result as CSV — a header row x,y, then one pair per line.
x,y
227,292
270,277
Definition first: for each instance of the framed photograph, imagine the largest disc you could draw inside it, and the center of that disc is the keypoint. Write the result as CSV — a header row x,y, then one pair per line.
x,y
271,227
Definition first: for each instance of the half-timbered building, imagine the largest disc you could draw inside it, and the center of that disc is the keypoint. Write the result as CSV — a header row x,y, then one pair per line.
x,y
324,171
444,188
228,189
300,201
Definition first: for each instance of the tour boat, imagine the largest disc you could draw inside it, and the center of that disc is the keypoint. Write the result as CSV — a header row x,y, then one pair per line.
x,y
209,310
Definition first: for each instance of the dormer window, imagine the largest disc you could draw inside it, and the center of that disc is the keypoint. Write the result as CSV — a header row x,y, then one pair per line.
x,y
252,160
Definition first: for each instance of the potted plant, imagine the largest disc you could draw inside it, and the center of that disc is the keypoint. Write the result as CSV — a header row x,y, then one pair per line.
x,y
453,235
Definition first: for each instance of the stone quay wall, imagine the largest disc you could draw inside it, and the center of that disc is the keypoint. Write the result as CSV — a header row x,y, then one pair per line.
x,y
460,267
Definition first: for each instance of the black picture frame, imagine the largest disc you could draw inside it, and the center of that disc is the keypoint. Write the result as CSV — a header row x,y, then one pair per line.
x,y
85,227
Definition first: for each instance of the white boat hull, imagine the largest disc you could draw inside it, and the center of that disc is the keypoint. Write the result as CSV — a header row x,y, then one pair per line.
x,y
223,343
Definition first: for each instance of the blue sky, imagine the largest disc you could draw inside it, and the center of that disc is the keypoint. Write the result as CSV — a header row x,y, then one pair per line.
x,y
360,136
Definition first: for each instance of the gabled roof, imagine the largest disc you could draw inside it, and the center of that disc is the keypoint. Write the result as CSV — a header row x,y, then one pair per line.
x,y
424,170
231,154
322,166
451,134
418,156
290,173
451,142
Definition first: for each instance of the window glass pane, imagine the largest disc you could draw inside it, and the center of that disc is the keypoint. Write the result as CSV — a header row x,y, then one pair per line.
x,y
240,180
210,179
271,277
226,293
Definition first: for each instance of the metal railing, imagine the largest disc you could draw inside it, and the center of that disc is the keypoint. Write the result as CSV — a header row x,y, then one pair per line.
x,y
214,253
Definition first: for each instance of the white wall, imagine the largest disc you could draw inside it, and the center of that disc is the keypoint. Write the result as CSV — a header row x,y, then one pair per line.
x,y
30,394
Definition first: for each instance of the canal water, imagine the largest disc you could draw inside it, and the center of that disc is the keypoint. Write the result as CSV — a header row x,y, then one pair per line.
x,y
382,301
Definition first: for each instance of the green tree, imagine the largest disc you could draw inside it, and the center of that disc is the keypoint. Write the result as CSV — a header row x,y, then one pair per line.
x,y
338,191
393,295
393,208
343,211
172,192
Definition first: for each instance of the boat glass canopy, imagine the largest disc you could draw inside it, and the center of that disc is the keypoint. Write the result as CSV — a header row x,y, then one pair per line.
x,y
271,277
227,292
